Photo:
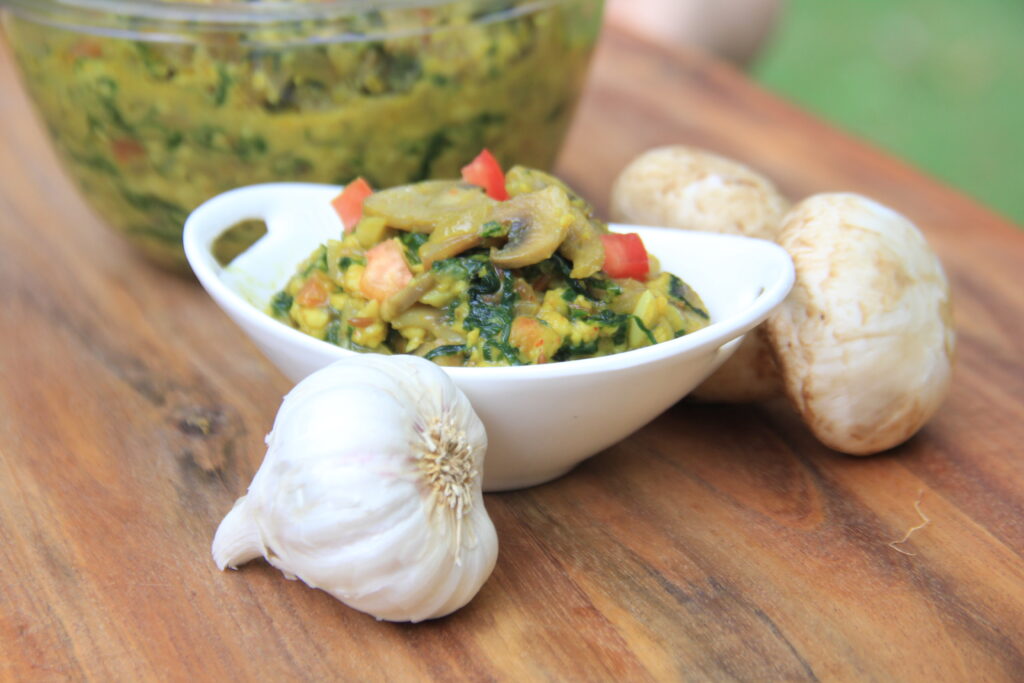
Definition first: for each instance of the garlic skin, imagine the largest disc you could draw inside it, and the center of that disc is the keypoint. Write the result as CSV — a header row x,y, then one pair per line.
x,y
371,491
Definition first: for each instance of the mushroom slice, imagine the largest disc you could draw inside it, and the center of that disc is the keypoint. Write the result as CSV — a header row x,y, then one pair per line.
x,y
583,246
420,207
455,233
537,224
431,320
407,296
865,339
522,180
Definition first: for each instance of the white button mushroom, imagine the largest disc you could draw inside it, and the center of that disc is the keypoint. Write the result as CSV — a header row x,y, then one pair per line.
x,y
683,187
863,346
371,490
865,339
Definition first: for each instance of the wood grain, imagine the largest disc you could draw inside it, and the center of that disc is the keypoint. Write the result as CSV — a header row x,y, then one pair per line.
x,y
716,543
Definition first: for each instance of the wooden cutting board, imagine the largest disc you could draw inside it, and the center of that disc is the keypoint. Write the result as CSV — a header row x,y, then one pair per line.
x,y
716,543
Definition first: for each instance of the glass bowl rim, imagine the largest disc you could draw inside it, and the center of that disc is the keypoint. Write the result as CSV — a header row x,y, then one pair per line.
x,y
182,21
240,12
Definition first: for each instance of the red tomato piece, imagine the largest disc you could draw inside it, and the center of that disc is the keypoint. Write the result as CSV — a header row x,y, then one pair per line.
x,y
85,48
485,172
535,340
127,150
312,293
349,204
386,271
625,256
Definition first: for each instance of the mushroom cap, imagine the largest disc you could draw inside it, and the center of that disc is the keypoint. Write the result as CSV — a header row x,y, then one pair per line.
x,y
750,375
865,339
683,187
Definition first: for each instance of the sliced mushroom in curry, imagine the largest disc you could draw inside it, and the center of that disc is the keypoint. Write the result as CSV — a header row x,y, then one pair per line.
x,y
483,282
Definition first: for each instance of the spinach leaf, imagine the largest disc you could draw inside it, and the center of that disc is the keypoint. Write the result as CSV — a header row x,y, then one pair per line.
x,y
106,92
493,229
447,350
494,350
643,328
345,261
333,331
281,304
453,267
318,263
682,291
153,61
493,319
224,81
492,299
291,166
486,279
412,241
615,327
581,350
558,269
436,145
97,162
249,147
157,207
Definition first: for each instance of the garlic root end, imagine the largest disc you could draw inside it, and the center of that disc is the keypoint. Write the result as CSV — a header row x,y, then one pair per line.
x,y
237,539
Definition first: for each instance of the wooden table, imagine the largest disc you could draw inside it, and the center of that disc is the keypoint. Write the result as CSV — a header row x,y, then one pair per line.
x,y
718,542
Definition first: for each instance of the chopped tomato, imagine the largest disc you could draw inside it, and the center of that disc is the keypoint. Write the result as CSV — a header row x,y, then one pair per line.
x,y
313,293
126,150
485,172
534,339
349,204
85,48
386,271
362,322
625,256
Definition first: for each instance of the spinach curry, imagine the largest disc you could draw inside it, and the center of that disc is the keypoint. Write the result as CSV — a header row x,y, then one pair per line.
x,y
442,270
152,122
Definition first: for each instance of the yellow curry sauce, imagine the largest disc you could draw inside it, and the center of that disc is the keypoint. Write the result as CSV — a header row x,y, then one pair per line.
x,y
487,282
151,129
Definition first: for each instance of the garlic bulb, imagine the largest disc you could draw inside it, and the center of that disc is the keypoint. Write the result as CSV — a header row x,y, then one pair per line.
x,y
370,490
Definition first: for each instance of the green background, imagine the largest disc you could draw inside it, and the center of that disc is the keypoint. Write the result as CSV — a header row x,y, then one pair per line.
x,y
937,82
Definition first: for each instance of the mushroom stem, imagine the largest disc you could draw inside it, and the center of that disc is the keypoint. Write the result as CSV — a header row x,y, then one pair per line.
x,y
750,375
238,538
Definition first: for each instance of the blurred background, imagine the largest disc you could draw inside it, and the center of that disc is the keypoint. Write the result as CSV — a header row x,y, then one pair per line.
x,y
939,83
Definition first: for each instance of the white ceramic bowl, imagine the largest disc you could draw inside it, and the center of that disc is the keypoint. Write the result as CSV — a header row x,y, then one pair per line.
x,y
541,420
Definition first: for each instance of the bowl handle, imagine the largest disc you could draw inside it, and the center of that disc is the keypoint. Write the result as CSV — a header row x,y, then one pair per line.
x,y
296,215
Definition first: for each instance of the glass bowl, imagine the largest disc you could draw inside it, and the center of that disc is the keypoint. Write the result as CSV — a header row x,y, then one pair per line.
x,y
155,106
